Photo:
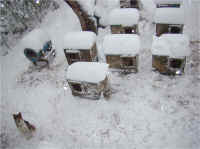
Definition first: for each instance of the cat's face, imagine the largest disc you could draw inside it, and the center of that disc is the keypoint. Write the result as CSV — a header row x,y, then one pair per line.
x,y
17,117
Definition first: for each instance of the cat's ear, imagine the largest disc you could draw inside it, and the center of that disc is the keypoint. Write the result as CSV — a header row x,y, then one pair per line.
x,y
14,116
20,115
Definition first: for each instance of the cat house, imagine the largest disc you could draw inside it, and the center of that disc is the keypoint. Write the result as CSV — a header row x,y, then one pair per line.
x,y
80,46
129,4
124,21
102,9
169,53
89,79
169,20
168,3
122,52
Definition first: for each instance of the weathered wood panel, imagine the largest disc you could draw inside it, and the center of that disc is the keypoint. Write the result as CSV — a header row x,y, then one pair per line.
x,y
72,57
168,28
117,29
129,4
160,63
85,89
161,29
130,64
113,61
94,53
85,55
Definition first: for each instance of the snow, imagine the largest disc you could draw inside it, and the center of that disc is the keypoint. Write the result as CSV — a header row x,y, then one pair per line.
x,y
102,4
173,45
48,145
146,110
103,8
88,5
124,17
35,39
92,72
79,40
121,44
168,1
169,16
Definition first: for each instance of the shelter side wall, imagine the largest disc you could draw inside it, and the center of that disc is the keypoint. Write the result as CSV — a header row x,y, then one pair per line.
x,y
113,61
118,62
124,30
160,63
117,29
94,52
86,55
71,57
167,28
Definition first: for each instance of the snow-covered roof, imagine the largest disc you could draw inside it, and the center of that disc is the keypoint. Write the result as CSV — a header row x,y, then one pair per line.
x,y
121,44
168,1
173,45
92,72
169,16
79,40
35,39
124,17
104,6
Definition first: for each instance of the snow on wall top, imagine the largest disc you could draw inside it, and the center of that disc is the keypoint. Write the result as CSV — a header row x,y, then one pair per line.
x,y
169,16
79,40
121,44
168,1
173,45
104,6
92,72
124,17
35,39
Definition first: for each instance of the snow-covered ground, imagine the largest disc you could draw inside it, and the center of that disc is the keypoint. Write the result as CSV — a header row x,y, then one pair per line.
x,y
146,110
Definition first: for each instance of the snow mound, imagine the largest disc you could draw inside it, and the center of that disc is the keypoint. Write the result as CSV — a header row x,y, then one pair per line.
x,y
79,40
169,16
35,39
92,72
124,17
121,44
173,45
